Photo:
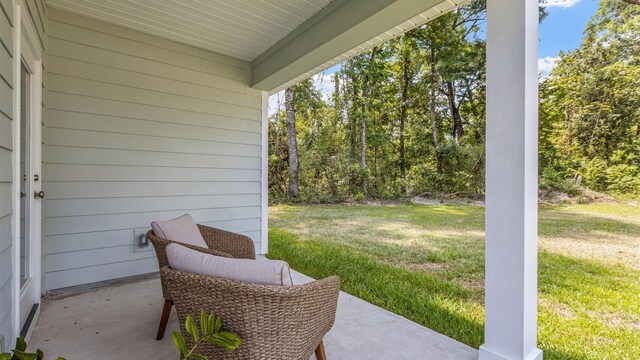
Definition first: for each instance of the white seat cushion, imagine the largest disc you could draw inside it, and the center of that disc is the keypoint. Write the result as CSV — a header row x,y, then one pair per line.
x,y
182,229
268,272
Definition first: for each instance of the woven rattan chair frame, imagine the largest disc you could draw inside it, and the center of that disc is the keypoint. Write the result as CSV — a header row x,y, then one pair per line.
x,y
219,242
274,322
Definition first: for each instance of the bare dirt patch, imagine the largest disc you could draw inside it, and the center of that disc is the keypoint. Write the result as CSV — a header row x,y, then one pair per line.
x,y
617,320
426,267
557,307
551,196
473,284
444,201
596,246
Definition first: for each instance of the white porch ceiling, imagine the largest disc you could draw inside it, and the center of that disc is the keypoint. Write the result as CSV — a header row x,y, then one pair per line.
x,y
242,29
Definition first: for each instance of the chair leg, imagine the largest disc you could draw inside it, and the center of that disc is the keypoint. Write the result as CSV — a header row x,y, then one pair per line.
x,y
166,311
320,355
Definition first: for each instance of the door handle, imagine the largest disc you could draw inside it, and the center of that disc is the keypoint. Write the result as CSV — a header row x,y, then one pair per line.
x,y
39,194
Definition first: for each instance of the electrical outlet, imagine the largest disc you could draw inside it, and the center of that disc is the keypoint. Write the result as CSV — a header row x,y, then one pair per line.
x,y
140,241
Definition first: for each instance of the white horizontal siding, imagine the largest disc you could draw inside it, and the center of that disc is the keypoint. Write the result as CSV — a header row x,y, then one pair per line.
x,y
35,10
150,125
89,274
129,157
68,27
106,206
5,258
124,109
6,99
6,6
62,190
6,70
5,309
92,223
69,243
132,95
5,198
6,31
92,172
63,137
85,52
64,65
140,129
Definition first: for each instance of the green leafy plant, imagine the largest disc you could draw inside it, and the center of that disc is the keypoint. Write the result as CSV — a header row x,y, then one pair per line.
x,y
210,332
20,353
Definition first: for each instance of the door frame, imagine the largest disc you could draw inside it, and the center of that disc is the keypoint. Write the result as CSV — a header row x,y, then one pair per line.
x,y
27,45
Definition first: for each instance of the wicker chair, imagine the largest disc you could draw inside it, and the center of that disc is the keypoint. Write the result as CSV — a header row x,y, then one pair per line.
x,y
219,242
274,322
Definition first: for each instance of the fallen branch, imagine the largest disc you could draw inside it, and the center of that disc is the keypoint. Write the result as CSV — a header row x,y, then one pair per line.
x,y
467,194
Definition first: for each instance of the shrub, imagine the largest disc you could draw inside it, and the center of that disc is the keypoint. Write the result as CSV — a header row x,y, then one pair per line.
x,y
623,179
210,332
594,176
553,179
20,353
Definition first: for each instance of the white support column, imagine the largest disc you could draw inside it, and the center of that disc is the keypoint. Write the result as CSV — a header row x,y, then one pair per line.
x,y
264,198
512,181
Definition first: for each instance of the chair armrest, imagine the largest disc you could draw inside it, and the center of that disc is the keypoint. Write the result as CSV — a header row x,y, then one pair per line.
x,y
237,245
285,322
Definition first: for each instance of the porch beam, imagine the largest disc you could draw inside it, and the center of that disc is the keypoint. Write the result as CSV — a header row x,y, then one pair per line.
x,y
511,181
336,29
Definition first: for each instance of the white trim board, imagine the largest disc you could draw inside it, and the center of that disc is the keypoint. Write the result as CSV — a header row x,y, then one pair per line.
x,y
15,217
265,175
26,43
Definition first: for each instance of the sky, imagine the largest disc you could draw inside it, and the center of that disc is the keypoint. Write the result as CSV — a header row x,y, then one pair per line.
x,y
562,30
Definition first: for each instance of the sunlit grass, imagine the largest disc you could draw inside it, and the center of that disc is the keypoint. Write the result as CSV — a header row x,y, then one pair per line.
x,y
427,263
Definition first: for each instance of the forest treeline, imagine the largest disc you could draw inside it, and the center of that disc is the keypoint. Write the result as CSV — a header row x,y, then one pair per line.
x,y
408,117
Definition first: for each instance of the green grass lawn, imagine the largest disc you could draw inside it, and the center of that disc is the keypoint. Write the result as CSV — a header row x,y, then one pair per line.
x,y
426,263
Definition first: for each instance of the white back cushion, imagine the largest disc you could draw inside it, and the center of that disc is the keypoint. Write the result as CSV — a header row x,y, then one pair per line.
x,y
268,272
181,229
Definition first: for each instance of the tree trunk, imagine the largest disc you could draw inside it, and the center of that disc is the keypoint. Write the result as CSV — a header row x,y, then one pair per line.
x,y
353,124
632,2
432,105
336,89
292,141
363,124
337,103
352,118
458,130
403,111
363,140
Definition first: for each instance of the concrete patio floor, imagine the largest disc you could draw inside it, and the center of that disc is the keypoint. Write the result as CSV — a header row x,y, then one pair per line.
x,y
120,322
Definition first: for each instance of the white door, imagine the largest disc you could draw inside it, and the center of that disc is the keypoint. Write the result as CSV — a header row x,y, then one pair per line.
x,y
31,194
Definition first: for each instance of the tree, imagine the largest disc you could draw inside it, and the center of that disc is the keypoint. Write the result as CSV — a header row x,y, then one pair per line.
x,y
590,105
406,69
408,116
292,141
363,123
433,93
